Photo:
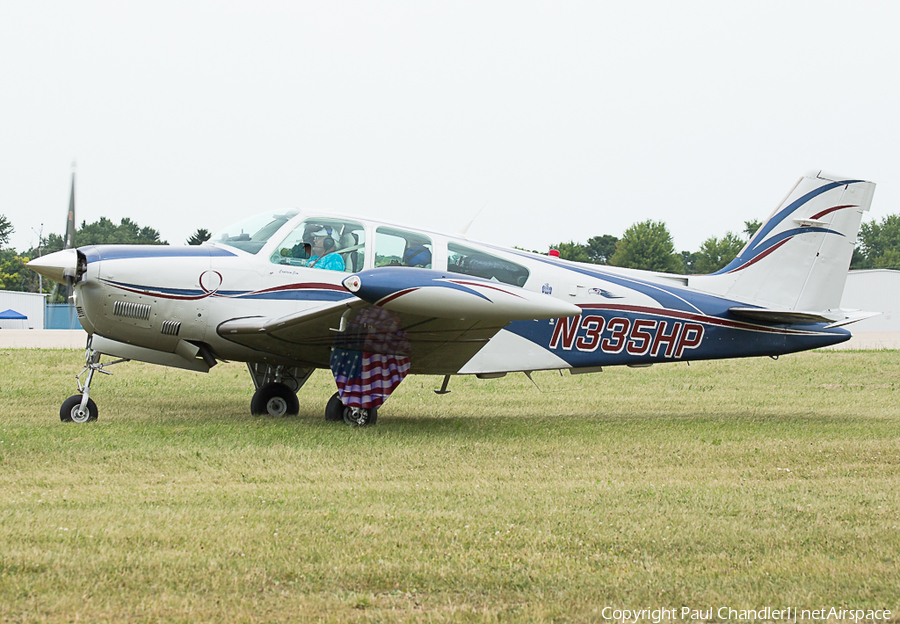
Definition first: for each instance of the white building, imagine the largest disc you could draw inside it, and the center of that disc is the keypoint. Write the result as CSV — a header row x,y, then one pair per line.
x,y
29,304
876,290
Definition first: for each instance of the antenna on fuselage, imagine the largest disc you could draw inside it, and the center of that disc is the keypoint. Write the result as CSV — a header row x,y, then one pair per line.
x,y
465,229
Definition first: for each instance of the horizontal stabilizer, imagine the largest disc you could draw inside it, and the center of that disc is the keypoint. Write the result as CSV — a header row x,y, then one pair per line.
x,y
835,318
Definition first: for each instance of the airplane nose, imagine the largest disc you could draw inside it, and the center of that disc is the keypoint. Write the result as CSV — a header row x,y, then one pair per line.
x,y
56,266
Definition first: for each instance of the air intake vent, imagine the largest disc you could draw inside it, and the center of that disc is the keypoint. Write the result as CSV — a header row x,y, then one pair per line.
x,y
128,309
171,328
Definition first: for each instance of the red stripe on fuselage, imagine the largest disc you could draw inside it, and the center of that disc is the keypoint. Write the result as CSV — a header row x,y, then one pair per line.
x,y
483,285
397,294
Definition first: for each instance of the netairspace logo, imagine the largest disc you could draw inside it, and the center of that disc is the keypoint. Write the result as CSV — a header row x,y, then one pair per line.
x,y
769,614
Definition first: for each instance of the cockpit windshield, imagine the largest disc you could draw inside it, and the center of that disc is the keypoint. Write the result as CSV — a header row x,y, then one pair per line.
x,y
251,234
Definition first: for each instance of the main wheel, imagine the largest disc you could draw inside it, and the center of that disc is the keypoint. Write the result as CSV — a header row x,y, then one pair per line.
x,y
71,410
334,409
360,416
274,399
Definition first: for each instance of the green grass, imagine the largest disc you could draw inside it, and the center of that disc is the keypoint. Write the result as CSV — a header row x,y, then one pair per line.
x,y
743,484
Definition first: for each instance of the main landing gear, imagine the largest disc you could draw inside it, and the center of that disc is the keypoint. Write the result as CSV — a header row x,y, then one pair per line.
x,y
355,416
276,395
274,399
276,389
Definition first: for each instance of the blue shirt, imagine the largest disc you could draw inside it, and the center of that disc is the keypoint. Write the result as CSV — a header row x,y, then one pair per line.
x,y
329,262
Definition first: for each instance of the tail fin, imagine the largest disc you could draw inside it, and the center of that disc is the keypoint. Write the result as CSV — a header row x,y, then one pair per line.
x,y
798,259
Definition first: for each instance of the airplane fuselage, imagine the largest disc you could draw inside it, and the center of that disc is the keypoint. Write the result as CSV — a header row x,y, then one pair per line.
x,y
159,297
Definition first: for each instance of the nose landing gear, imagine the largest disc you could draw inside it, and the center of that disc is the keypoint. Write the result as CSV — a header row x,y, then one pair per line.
x,y
81,408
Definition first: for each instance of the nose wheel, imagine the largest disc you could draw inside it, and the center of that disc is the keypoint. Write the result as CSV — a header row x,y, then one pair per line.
x,y
73,411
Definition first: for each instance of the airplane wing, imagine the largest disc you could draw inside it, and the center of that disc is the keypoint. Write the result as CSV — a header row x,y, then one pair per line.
x,y
436,346
439,320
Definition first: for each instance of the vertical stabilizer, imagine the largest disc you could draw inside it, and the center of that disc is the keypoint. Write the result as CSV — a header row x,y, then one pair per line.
x,y
798,259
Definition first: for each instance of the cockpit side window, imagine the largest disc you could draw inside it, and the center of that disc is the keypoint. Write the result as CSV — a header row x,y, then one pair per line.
x,y
395,247
320,243
480,264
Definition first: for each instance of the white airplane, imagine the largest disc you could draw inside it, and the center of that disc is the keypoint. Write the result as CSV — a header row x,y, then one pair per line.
x,y
292,292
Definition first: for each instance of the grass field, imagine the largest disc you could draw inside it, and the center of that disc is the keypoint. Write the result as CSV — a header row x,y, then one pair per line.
x,y
740,484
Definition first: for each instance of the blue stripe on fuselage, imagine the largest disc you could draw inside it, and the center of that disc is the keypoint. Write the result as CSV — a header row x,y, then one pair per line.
x,y
670,297
291,294
96,253
604,336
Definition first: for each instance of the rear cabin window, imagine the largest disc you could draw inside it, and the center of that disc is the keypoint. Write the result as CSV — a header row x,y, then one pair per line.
x,y
330,244
473,262
395,247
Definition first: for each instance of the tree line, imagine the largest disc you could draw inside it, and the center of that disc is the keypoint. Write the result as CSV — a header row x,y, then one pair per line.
x,y
14,275
645,245
648,245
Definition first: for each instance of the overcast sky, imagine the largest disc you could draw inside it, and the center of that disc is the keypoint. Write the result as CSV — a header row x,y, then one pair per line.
x,y
564,120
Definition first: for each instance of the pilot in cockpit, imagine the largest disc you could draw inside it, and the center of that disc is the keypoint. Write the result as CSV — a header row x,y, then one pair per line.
x,y
317,248
322,241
